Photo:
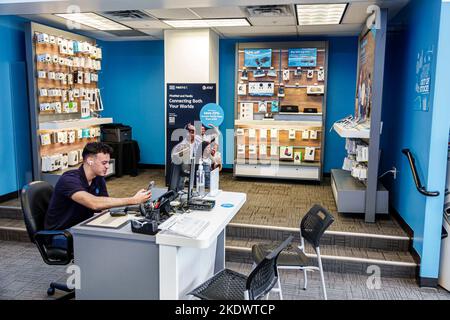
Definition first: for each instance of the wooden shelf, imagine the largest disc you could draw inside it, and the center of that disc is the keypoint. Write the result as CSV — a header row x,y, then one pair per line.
x,y
295,93
74,124
284,123
277,162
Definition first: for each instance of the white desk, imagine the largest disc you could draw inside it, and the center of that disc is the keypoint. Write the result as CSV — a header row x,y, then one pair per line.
x,y
120,264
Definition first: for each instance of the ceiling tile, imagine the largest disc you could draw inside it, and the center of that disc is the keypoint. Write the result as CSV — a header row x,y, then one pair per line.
x,y
145,24
172,13
273,21
251,31
356,12
157,33
220,12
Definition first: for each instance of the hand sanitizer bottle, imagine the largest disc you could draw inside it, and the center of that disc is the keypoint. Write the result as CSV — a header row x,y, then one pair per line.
x,y
200,179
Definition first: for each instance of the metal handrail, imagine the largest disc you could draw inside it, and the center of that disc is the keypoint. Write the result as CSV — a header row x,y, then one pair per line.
x,y
416,178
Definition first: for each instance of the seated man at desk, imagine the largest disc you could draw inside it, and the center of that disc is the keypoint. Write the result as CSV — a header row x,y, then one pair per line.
x,y
81,192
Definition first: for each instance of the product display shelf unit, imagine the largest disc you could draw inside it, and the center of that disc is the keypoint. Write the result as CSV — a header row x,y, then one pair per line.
x,y
49,122
251,161
358,132
351,195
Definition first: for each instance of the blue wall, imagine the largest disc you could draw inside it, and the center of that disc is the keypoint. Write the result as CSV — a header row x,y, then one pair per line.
x,y
132,83
15,147
416,28
133,91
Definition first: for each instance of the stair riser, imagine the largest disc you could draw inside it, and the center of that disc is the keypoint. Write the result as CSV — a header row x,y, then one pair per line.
x,y
11,213
14,235
327,239
336,266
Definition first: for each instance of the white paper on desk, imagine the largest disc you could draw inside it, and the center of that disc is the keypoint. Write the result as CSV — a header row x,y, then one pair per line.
x,y
184,225
106,221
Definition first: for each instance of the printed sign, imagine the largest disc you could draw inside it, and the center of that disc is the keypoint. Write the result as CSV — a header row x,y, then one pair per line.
x,y
211,114
364,88
423,79
184,101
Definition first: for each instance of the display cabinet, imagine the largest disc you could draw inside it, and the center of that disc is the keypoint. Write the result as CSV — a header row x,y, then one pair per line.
x,y
356,187
65,101
280,109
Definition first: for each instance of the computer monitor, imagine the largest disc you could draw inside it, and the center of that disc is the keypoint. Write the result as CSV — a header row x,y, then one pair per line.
x,y
176,178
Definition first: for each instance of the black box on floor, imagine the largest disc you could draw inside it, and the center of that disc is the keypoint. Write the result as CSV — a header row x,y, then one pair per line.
x,y
116,132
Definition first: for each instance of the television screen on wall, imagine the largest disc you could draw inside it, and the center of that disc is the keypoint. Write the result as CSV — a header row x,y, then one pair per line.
x,y
302,57
258,58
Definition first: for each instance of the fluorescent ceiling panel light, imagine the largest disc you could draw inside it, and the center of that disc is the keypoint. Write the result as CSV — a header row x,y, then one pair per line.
x,y
208,23
93,20
320,14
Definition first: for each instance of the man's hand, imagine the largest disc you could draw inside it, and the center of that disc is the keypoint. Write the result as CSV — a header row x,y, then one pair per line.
x,y
142,196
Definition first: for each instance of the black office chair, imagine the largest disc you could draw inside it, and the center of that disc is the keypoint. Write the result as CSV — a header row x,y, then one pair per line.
x,y
312,227
230,285
35,198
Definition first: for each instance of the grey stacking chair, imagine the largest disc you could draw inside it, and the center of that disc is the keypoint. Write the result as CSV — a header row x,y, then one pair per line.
x,y
312,227
230,285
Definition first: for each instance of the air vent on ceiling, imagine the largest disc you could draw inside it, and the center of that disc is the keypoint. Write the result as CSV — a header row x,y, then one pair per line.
x,y
128,15
269,11
127,33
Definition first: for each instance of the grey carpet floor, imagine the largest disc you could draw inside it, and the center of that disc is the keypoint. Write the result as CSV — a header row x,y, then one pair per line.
x,y
23,275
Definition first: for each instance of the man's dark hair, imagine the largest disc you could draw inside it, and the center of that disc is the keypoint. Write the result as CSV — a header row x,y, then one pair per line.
x,y
92,148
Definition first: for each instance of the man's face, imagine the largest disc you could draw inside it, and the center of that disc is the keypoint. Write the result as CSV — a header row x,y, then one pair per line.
x,y
191,130
100,164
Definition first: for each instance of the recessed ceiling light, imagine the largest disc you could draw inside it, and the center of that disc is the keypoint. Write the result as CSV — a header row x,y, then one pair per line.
x,y
317,14
208,23
93,20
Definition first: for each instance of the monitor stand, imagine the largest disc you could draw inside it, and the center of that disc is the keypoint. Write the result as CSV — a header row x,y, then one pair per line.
x,y
191,179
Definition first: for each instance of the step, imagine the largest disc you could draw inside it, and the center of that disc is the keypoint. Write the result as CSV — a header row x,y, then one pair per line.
x,y
13,230
11,212
341,238
336,258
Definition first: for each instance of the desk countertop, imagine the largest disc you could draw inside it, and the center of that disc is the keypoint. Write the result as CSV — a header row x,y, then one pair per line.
x,y
218,218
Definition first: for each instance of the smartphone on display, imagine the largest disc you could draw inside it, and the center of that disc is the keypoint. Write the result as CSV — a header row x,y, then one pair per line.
x,y
150,185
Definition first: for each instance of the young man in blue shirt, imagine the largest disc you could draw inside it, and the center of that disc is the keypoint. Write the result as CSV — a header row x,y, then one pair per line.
x,y
81,192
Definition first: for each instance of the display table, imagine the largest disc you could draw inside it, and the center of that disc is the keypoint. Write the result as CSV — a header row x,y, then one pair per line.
x,y
120,264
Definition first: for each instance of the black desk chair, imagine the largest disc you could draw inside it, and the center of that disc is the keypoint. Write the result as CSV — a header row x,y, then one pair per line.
x,y
35,198
230,285
312,227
